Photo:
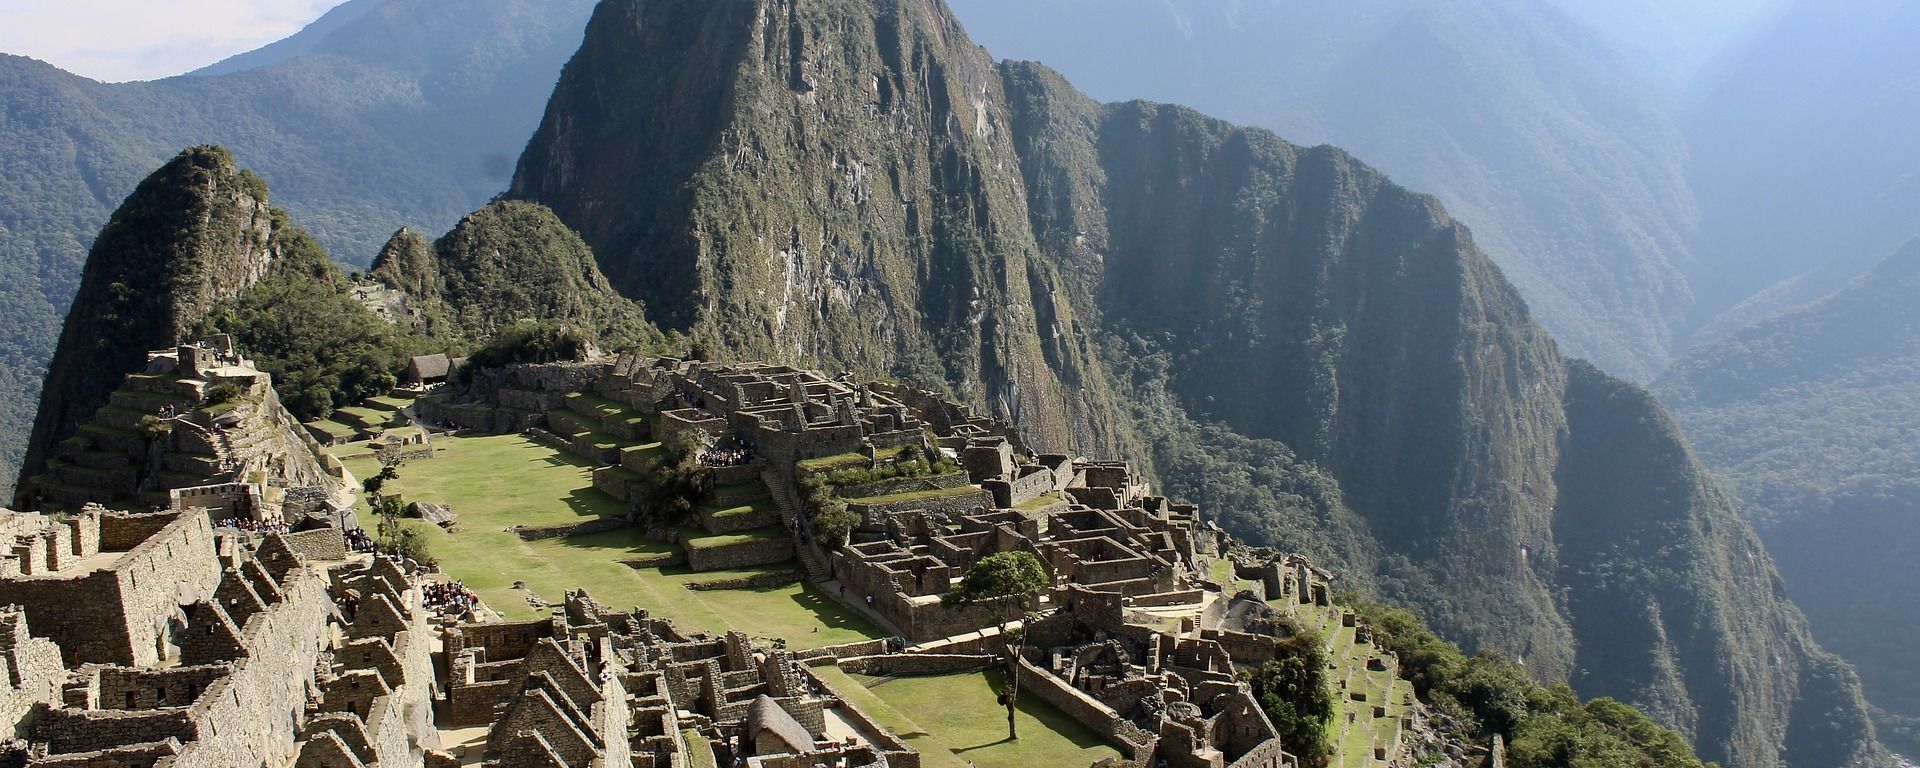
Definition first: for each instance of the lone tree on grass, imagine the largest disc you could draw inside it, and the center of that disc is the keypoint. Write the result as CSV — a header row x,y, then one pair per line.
x,y
1003,581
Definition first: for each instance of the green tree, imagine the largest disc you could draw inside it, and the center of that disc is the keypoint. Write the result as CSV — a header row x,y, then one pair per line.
x,y
1004,581
1294,690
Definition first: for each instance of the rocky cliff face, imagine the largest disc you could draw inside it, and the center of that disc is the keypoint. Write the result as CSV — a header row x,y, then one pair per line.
x,y
850,183
195,232
829,184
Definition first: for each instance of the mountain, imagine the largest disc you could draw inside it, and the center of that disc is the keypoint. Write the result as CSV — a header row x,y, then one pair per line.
x,y
194,233
507,262
385,114
849,183
1804,158
1809,417
1559,151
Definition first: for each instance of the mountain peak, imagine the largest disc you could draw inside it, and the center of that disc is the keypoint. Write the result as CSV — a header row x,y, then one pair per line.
x,y
195,232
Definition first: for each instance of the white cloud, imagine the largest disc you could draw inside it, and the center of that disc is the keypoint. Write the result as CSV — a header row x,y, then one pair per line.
x,y
118,40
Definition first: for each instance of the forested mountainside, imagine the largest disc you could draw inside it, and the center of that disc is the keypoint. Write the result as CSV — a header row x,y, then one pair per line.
x,y
1804,159
405,114
846,183
508,262
1527,124
1809,417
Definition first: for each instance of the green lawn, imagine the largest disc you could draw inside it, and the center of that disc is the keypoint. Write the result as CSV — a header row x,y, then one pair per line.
x,y
1040,502
931,493
700,539
955,721
836,461
495,482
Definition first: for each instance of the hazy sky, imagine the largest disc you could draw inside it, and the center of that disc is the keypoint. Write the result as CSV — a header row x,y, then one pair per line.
x,y
117,40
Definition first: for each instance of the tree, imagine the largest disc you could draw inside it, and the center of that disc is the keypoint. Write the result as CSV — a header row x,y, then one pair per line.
x,y
1294,690
1003,581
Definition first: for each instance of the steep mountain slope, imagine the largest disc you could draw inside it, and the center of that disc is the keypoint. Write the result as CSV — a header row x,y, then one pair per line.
x,y
196,232
408,115
1810,418
853,182
1805,163
874,234
1562,157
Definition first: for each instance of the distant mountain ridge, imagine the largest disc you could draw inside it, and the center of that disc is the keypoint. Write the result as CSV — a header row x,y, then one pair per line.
x,y
1810,418
1560,153
852,184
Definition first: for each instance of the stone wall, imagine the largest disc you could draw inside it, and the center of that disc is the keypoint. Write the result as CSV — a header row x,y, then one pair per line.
x,y
916,664
258,707
1101,719
119,615
901,485
744,554
874,515
30,671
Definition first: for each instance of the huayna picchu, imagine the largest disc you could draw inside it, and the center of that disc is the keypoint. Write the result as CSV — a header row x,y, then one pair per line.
x,y
994,315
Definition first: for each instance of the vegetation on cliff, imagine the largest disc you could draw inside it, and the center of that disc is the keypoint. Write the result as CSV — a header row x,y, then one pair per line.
x,y
506,263
1808,419
1544,726
195,232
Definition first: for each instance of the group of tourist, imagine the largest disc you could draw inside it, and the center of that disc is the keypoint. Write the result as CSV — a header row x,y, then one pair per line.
x,y
448,597
725,457
251,525
358,540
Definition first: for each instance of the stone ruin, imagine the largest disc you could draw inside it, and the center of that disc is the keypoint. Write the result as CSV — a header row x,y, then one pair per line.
x,y
162,640
157,639
590,686
161,432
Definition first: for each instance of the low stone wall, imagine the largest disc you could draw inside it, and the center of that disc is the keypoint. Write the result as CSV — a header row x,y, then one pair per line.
x,y
875,515
766,580
894,485
744,554
1097,717
600,525
916,664
844,650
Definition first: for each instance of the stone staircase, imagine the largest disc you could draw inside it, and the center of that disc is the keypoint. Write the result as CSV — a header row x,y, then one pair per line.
x,y
810,557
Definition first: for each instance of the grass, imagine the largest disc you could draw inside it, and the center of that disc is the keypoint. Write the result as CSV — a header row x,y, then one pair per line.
x,y
332,429
494,482
931,493
836,461
1040,502
740,510
699,539
956,717
699,755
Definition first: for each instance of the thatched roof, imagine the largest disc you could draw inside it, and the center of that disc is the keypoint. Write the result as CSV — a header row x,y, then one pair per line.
x,y
765,715
429,367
